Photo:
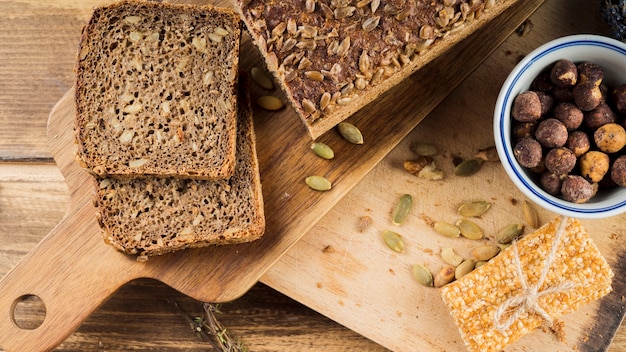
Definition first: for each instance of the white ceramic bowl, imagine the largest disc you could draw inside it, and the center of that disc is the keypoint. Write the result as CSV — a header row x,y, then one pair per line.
x,y
606,52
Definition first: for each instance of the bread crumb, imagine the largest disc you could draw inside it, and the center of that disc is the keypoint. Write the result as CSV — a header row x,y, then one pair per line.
x,y
430,222
364,222
328,249
319,285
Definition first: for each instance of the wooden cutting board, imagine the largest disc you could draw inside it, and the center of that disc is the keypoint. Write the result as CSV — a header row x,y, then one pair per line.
x,y
73,272
353,278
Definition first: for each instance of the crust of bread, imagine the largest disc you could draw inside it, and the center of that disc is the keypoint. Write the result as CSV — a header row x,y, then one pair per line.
x,y
155,94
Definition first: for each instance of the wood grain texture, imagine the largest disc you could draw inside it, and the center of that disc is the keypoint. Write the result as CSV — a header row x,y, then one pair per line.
x,y
361,278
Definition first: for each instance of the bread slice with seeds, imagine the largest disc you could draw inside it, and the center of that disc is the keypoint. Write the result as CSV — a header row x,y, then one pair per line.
x,y
157,215
155,90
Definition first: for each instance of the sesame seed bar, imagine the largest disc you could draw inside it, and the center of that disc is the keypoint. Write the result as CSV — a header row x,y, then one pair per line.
x,y
474,299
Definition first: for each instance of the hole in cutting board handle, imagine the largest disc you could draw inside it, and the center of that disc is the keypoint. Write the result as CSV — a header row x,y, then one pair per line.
x,y
28,312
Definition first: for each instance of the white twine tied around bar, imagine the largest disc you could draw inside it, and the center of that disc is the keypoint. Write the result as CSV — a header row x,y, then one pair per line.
x,y
528,299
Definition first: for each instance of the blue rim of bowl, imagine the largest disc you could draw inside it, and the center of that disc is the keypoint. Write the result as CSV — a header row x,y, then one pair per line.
x,y
577,40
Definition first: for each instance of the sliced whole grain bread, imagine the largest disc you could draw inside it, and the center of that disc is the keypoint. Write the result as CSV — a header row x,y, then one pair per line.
x,y
157,215
156,90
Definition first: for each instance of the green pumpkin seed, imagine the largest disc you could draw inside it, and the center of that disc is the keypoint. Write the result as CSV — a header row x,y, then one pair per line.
x,y
444,276
261,78
464,268
530,214
425,149
402,210
322,150
469,229
474,209
318,183
508,233
468,167
446,229
422,275
350,133
269,102
394,241
450,257
479,264
485,252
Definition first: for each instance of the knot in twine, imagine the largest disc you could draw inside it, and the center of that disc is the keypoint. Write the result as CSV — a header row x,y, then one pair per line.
x,y
528,299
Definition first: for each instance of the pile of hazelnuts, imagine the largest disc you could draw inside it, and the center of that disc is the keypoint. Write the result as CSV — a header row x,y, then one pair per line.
x,y
568,129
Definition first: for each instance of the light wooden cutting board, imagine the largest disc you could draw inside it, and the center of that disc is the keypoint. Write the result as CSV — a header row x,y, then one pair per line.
x,y
73,272
353,278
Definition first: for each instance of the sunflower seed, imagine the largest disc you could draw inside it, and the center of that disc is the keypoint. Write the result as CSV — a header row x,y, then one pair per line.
x,y
469,229
402,209
422,275
261,78
269,102
279,29
508,233
288,44
350,133
343,48
314,75
292,26
474,209
375,5
394,241
360,83
308,106
322,150
446,229
485,252
324,100
310,6
370,24
318,183
343,12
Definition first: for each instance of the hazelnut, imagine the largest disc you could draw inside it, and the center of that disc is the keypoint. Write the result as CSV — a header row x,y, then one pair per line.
x,y
547,102
618,98
523,129
562,94
528,152
610,138
560,161
594,165
551,183
618,171
569,114
542,82
564,73
551,133
590,72
587,96
577,190
599,116
526,107
578,142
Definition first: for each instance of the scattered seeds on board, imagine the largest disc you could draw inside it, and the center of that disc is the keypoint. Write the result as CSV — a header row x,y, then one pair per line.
x,y
474,208
468,167
322,150
444,276
530,214
318,183
394,241
464,268
488,154
450,257
446,229
403,208
269,102
261,78
422,275
508,233
350,133
485,252
469,229
425,149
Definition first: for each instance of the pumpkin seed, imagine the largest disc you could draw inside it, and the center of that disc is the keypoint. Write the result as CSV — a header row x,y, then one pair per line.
x,y
530,214
474,209
485,252
446,229
394,241
318,183
402,210
422,275
450,257
350,133
322,150
468,167
261,78
469,229
464,268
508,233
444,276
269,102
488,154
425,149
479,264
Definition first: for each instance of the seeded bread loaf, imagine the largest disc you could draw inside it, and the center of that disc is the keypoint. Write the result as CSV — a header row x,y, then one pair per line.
x,y
156,215
155,90
332,57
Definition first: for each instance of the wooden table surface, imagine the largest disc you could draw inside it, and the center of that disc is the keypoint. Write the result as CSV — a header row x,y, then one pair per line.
x,y
37,46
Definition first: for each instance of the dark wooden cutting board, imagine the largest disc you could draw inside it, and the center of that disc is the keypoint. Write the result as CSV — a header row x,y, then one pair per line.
x,y
73,271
